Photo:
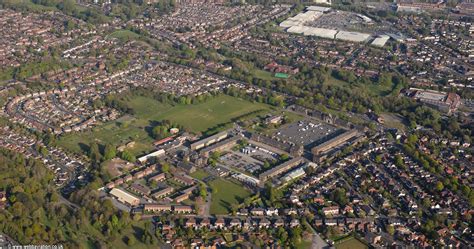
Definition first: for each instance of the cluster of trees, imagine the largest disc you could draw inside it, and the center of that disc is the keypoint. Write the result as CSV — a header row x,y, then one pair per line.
x,y
270,98
162,129
312,85
339,196
68,7
123,9
117,102
98,153
270,163
36,215
33,68
165,6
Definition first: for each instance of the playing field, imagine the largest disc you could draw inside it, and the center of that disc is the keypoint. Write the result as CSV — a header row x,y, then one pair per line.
x,y
224,194
196,118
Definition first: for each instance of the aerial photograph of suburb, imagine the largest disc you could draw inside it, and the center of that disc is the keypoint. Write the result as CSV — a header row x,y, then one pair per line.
x,y
236,124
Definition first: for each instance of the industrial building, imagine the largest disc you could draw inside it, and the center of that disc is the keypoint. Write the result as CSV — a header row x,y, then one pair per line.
x,y
352,36
312,31
301,24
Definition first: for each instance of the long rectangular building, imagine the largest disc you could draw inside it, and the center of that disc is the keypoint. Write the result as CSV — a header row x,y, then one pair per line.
x,y
220,146
125,197
327,146
209,140
280,169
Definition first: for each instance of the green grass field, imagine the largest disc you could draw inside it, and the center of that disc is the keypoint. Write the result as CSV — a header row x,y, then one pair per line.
x,y
225,193
350,243
371,88
195,118
125,35
264,75
200,174
304,244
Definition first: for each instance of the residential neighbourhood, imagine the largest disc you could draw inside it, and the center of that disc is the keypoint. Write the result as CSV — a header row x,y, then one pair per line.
x,y
236,124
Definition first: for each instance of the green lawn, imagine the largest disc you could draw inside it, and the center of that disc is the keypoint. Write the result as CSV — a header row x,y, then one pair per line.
x,y
225,193
264,75
304,244
371,88
196,118
125,35
200,174
350,243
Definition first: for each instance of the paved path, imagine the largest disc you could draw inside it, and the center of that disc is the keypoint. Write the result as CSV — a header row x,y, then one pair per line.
x,y
67,202
318,242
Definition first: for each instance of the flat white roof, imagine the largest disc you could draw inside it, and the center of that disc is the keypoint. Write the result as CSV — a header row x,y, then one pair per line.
x,y
296,29
380,41
320,32
318,8
352,36
289,23
153,154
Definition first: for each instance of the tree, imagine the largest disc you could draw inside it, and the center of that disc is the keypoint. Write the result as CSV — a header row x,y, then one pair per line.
x,y
284,157
270,192
160,131
126,155
43,151
202,190
412,138
266,165
339,196
378,158
439,186
391,230
131,240
109,152
399,162
94,153
165,167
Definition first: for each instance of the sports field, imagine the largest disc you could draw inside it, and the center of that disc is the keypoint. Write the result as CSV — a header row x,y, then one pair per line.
x,y
226,193
199,117
222,109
